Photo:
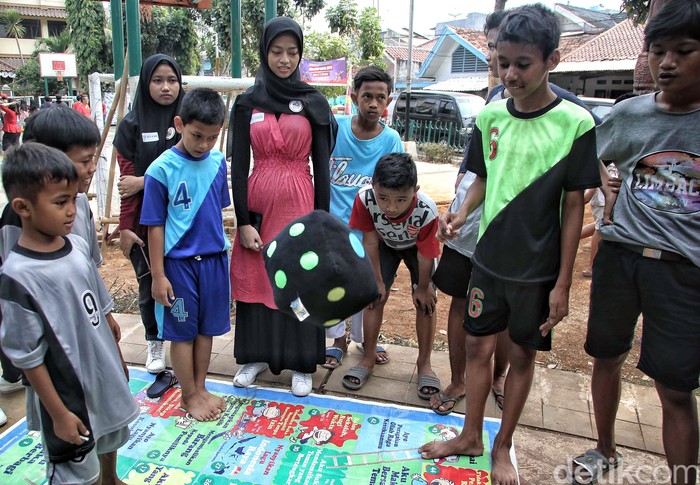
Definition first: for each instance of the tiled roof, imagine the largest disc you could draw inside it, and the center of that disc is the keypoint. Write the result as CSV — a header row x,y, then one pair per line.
x,y
622,42
52,13
596,18
569,43
419,53
10,63
474,37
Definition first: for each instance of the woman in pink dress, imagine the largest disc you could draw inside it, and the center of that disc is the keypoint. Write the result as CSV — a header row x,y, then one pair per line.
x,y
285,121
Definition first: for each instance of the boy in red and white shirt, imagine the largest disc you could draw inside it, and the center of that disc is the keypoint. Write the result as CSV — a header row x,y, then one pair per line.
x,y
398,224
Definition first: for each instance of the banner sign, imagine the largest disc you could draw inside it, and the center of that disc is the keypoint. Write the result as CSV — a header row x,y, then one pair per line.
x,y
324,73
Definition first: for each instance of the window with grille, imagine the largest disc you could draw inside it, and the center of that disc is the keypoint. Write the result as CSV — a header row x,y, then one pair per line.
x,y
465,61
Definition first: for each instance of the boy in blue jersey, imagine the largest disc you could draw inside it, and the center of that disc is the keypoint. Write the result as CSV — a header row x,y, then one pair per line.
x,y
55,328
648,261
185,190
362,140
532,189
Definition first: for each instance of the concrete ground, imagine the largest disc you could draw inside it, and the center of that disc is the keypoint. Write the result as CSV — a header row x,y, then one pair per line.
x,y
556,425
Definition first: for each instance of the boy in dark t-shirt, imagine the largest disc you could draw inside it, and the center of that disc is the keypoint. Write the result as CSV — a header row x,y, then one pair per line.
x,y
533,154
648,261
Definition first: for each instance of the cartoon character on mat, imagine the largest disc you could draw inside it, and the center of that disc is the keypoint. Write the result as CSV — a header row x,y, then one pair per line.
x,y
319,436
268,411
418,480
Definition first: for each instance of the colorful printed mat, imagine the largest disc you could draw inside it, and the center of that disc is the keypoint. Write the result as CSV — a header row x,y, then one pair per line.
x,y
269,436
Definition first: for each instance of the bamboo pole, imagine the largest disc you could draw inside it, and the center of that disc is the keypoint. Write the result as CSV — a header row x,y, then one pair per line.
x,y
108,219
224,128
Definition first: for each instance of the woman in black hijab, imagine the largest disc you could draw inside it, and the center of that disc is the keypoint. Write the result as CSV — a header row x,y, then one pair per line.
x,y
146,132
284,120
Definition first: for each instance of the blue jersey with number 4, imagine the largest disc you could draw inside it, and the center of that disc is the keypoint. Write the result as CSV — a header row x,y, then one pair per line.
x,y
186,195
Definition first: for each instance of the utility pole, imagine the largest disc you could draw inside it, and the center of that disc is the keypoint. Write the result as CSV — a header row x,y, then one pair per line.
x,y
409,70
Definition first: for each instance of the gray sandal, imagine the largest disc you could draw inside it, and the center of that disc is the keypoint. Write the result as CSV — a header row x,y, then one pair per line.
x,y
359,373
426,380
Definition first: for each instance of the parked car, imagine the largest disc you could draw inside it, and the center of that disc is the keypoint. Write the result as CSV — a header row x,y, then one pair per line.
x,y
599,106
438,116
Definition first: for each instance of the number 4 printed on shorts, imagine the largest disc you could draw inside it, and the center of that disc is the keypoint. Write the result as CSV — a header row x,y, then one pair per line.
x,y
177,309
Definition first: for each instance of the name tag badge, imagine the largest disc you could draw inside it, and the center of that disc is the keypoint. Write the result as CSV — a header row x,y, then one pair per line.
x,y
149,137
257,118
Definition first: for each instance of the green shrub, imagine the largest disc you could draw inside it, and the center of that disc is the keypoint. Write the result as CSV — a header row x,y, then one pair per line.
x,y
437,152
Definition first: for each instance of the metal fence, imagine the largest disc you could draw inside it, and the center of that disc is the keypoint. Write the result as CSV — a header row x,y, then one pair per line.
x,y
425,131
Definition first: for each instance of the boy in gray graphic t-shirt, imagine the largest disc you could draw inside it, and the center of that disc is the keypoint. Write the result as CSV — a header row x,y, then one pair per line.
x,y
55,328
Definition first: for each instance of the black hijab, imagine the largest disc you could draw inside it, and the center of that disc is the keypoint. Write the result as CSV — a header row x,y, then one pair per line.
x,y
273,94
147,116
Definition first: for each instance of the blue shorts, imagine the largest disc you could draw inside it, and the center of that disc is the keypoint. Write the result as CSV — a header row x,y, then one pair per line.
x,y
202,303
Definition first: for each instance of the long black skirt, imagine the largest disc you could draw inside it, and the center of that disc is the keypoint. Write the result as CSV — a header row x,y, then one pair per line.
x,y
283,342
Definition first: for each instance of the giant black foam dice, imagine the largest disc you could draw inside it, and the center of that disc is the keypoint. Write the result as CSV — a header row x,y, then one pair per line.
x,y
319,270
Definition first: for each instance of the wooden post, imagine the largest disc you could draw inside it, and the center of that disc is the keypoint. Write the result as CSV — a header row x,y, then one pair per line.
x,y
121,94
224,128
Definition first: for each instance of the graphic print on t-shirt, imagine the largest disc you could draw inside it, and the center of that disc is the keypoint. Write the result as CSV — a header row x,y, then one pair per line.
x,y
341,176
668,181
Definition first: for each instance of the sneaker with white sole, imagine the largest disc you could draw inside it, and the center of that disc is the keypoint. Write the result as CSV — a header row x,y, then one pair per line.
x,y
155,362
3,417
7,387
247,374
301,384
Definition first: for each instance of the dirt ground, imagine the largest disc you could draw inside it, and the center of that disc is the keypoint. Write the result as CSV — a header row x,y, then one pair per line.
x,y
399,315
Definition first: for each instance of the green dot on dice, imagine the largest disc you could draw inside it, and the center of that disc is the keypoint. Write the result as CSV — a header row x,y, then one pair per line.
x,y
357,245
296,229
280,279
336,294
309,260
271,249
331,323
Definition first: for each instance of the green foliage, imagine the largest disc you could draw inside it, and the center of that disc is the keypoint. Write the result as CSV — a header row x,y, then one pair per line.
x,y
60,43
637,10
86,20
437,152
28,81
172,31
343,18
11,20
252,23
371,43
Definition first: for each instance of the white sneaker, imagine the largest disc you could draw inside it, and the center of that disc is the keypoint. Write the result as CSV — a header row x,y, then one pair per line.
x,y
3,417
155,362
301,384
7,387
247,374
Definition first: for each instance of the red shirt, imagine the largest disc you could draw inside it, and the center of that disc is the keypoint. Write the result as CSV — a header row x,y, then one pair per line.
x,y
82,109
130,207
10,120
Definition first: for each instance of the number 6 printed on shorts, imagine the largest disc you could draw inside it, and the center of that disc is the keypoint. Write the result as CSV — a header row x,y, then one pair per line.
x,y
476,304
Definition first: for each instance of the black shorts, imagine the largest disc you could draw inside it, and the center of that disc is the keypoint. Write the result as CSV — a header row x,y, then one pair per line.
x,y
495,305
667,293
453,273
389,260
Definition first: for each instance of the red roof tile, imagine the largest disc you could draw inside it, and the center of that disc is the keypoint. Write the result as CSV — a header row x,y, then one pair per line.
x,y
569,43
52,13
475,37
10,63
622,42
419,54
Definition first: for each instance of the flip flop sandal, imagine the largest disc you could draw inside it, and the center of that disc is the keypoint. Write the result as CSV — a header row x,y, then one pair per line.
x,y
380,350
595,464
334,353
447,399
426,380
359,373
164,381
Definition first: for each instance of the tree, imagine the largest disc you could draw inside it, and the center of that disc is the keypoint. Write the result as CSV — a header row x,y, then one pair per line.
x,y
371,44
343,18
86,21
637,10
172,31
252,23
58,43
11,20
324,46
